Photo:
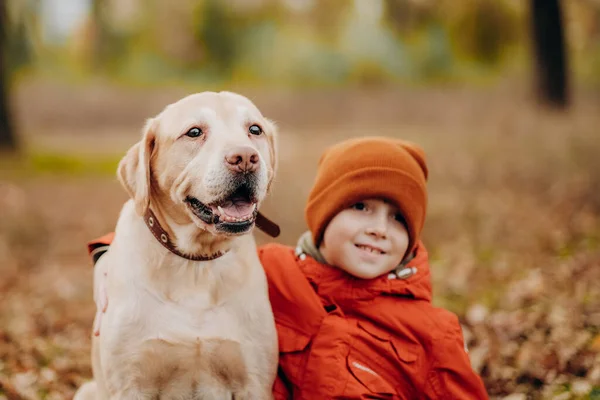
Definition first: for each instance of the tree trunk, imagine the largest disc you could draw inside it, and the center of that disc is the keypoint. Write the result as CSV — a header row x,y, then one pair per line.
x,y
7,137
102,38
549,50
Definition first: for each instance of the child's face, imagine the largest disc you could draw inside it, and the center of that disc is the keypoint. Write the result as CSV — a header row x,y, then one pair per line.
x,y
366,240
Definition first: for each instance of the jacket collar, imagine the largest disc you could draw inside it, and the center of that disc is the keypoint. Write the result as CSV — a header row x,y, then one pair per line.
x,y
338,285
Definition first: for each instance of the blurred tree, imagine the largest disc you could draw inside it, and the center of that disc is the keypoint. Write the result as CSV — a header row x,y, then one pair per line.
x,y
549,51
107,45
7,135
408,16
223,28
219,33
99,33
327,16
18,46
482,30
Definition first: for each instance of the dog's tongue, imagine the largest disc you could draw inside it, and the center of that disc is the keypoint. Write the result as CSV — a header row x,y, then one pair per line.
x,y
238,208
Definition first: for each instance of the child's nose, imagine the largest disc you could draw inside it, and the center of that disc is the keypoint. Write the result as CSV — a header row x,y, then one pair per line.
x,y
378,228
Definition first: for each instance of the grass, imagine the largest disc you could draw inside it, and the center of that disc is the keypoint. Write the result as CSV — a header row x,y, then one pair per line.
x,y
35,163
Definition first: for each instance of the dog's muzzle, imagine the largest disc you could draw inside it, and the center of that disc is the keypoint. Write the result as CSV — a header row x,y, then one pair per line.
x,y
235,212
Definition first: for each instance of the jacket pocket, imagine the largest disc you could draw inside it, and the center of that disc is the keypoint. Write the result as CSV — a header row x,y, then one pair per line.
x,y
370,379
405,352
384,365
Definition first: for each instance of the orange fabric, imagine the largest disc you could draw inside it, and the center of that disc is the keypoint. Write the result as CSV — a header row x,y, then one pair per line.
x,y
101,241
342,337
372,167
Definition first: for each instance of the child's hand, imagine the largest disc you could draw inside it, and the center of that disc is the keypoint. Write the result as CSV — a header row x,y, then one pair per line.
x,y
101,299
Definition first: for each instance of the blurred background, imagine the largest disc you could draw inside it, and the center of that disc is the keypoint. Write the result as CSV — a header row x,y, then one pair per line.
x,y
504,96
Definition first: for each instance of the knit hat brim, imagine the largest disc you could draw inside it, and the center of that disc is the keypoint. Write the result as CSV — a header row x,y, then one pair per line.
x,y
390,184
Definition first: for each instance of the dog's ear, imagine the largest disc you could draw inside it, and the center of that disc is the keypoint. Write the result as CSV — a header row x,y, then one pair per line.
x,y
134,169
272,134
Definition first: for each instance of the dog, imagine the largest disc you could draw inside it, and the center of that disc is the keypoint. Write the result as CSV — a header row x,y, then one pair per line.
x,y
189,314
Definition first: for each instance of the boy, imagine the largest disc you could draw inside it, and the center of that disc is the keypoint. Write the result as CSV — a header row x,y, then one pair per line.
x,y
352,303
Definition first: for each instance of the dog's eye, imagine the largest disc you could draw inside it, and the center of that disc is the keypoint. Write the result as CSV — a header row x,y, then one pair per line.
x,y
255,129
194,132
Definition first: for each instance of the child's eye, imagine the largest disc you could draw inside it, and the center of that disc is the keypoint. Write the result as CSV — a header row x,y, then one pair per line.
x,y
359,206
398,217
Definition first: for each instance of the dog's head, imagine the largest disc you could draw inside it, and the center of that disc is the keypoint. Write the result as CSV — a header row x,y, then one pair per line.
x,y
208,158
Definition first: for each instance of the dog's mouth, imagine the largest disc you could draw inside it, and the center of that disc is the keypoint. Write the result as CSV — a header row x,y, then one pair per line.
x,y
234,214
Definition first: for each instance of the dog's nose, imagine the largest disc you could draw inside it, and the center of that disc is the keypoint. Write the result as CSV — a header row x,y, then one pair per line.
x,y
242,159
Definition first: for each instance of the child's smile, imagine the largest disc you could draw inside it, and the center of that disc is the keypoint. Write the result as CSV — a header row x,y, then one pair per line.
x,y
370,250
366,240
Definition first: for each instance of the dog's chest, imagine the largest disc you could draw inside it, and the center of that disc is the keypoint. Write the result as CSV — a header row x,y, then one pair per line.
x,y
187,319
188,346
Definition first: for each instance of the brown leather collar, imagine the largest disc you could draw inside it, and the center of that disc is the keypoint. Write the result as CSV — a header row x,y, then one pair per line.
x,y
267,226
163,238
262,222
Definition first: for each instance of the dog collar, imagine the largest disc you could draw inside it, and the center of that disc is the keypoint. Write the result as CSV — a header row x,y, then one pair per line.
x,y
267,226
163,238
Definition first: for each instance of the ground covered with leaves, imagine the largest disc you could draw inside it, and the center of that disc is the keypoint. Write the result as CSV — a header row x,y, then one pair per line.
x,y
513,223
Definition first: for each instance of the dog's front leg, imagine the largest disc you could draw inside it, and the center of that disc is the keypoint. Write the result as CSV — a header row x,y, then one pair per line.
x,y
254,392
258,387
121,375
126,386
87,391
133,395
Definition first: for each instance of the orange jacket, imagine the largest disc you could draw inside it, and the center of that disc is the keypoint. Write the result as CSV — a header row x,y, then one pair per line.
x,y
347,338
342,337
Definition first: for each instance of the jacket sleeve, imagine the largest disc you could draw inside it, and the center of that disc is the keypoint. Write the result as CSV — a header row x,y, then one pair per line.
x,y
99,246
451,375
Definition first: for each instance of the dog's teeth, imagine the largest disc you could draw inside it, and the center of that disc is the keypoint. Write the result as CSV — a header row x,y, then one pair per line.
x,y
220,210
253,207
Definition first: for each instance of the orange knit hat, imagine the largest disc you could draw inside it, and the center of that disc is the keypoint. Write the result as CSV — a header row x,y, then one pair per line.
x,y
371,167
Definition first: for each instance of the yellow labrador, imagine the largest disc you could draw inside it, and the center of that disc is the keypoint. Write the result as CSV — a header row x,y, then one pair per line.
x,y
189,314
